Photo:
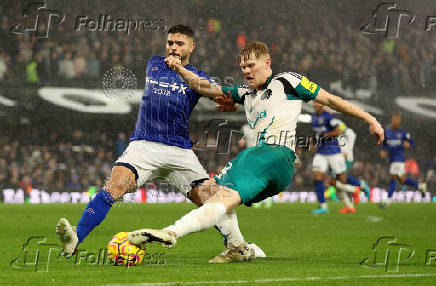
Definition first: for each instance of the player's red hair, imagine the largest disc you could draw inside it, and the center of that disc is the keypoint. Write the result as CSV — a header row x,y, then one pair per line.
x,y
256,48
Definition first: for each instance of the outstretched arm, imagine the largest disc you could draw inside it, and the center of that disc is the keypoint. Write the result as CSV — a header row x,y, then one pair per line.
x,y
195,82
349,108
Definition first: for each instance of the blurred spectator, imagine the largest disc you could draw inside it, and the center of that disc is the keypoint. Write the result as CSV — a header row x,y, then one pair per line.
x,y
93,66
66,66
120,144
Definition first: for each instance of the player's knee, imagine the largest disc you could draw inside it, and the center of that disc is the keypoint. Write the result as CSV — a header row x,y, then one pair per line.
x,y
342,178
195,197
317,176
202,192
122,180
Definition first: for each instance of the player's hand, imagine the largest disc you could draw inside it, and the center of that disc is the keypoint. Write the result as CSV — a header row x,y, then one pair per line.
x,y
377,131
225,103
406,144
383,154
173,62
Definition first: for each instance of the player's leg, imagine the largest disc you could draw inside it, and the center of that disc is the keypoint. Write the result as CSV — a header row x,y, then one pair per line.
x,y
228,225
131,169
187,168
253,175
320,167
396,170
222,201
338,166
121,181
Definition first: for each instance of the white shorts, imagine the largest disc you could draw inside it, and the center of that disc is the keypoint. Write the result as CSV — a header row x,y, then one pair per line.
x,y
397,168
336,162
174,165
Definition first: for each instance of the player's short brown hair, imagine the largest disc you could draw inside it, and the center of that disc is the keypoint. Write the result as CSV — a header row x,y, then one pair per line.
x,y
182,29
256,48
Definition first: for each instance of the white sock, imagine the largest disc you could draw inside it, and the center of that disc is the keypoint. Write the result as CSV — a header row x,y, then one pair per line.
x,y
229,228
199,219
345,187
323,205
345,199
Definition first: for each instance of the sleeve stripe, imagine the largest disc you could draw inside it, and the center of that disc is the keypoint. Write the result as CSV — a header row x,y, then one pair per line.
x,y
289,89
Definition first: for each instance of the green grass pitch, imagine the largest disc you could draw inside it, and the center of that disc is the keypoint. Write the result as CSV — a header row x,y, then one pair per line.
x,y
302,249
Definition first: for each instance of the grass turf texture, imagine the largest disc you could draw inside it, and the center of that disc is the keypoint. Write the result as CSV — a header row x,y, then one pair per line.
x,y
299,246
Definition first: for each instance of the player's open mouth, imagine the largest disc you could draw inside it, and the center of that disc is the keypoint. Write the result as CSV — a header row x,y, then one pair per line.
x,y
175,55
249,78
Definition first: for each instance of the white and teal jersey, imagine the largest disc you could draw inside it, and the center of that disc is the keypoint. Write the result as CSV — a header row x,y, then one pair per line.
x,y
272,111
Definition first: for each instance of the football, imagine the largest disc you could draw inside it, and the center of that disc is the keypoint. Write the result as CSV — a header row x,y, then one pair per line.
x,y
121,252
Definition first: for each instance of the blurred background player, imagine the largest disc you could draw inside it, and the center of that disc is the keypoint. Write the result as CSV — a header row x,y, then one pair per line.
x,y
396,140
160,145
346,143
329,156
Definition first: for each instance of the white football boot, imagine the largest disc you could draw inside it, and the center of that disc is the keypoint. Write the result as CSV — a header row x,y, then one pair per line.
x,y
258,252
67,236
167,238
234,254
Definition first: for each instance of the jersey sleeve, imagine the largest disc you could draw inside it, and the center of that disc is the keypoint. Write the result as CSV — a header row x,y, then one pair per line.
x,y
298,87
333,121
406,137
384,145
203,75
238,92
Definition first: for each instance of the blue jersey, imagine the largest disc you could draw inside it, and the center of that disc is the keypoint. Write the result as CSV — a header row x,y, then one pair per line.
x,y
321,124
394,143
167,103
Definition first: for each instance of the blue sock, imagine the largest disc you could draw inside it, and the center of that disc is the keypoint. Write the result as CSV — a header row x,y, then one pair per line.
x,y
392,187
94,214
353,181
411,182
319,189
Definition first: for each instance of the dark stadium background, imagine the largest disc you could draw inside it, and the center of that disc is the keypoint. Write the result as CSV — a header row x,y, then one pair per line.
x,y
45,146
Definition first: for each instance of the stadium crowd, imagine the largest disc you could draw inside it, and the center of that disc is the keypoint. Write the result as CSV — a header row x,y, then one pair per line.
x,y
331,49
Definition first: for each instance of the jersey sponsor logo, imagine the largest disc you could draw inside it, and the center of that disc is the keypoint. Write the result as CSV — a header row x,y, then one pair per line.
x,y
259,116
154,69
307,84
181,88
394,142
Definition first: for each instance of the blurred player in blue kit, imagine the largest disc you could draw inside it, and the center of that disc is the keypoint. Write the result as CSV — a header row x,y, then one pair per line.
x,y
396,140
160,146
329,156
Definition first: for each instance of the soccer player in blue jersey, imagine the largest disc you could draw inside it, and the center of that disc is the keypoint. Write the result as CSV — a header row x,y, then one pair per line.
x,y
272,105
329,156
396,140
160,146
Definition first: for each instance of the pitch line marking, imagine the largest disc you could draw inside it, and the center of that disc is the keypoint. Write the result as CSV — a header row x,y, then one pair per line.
x,y
273,280
373,218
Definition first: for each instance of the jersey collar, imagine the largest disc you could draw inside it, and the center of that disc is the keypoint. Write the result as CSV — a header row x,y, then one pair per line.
x,y
264,86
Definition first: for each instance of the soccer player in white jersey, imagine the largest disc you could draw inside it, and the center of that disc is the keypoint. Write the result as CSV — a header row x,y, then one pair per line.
x,y
272,105
160,146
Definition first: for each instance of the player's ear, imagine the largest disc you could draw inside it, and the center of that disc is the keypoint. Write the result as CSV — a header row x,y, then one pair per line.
x,y
268,61
191,49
